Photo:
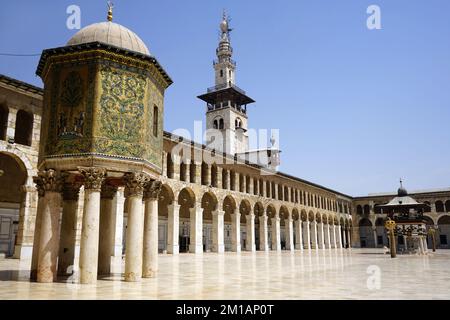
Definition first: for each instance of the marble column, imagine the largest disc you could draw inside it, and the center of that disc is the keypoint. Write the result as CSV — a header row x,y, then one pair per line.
x,y
338,237
306,235
49,231
150,245
173,225
333,236
93,179
425,245
250,225
263,233
217,231
343,235
289,233
320,236
67,241
134,191
327,236
313,226
298,234
349,239
119,202
421,248
236,231
374,230
276,239
196,229
38,180
107,229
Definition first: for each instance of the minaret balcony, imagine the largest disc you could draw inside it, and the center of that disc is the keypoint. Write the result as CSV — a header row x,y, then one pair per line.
x,y
225,86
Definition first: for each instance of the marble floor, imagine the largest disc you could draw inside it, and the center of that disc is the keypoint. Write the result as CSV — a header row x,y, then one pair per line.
x,y
321,274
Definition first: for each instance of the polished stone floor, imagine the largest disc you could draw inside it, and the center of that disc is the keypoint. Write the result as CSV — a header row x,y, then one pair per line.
x,y
322,274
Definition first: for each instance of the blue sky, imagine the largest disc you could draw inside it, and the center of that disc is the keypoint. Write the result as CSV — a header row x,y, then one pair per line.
x,y
357,109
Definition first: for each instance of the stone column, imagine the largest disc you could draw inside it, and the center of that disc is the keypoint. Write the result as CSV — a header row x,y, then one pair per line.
x,y
298,234
219,177
118,223
306,235
66,254
313,226
49,230
339,236
276,239
196,229
173,225
327,241
150,246
250,225
93,179
217,231
349,239
263,233
421,248
289,233
23,246
134,190
236,231
320,233
374,230
107,229
333,236
39,181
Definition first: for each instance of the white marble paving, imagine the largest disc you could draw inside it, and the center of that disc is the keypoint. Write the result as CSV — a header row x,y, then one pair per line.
x,y
321,274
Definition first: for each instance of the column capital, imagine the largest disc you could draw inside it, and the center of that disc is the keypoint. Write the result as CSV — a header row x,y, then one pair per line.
x,y
108,191
152,190
71,191
93,177
135,183
49,180
218,212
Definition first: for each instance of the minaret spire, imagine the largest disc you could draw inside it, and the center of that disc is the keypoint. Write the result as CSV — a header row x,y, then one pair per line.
x,y
110,10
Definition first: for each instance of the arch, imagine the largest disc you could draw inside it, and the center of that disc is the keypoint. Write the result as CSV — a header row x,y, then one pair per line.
x,y
258,209
447,206
311,216
295,214
325,218
366,209
228,206
364,222
24,128
13,178
445,219
221,124
209,201
215,124
284,212
238,123
439,206
3,121
271,211
245,207
379,222
341,221
318,217
186,198
304,215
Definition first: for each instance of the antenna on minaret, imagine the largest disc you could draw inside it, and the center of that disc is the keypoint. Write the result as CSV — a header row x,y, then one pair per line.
x,y
401,183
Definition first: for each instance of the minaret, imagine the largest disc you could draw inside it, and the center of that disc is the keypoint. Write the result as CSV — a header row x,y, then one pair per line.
x,y
226,113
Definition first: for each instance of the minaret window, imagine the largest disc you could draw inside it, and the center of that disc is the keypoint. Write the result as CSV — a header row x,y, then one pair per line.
x,y
155,121
221,73
215,125
24,128
238,123
221,126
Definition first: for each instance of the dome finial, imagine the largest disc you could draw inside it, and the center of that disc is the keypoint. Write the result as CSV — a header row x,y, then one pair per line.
x,y
110,10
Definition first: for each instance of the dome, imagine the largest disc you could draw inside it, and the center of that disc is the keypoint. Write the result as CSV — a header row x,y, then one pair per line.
x,y
110,33
401,192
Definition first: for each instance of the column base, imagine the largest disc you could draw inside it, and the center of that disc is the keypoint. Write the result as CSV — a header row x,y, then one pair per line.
x,y
195,248
236,248
173,249
118,251
218,249
23,252
252,248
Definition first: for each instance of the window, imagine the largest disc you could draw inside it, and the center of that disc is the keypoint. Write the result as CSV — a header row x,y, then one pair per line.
x,y
24,128
3,122
221,73
439,206
155,121
221,125
215,125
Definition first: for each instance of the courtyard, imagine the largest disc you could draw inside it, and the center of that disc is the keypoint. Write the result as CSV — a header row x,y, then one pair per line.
x,y
317,274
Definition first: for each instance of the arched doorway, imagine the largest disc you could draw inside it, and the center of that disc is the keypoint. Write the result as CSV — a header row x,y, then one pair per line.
x,y
209,205
443,239
186,200
13,176
381,239
259,213
165,202
229,208
366,233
